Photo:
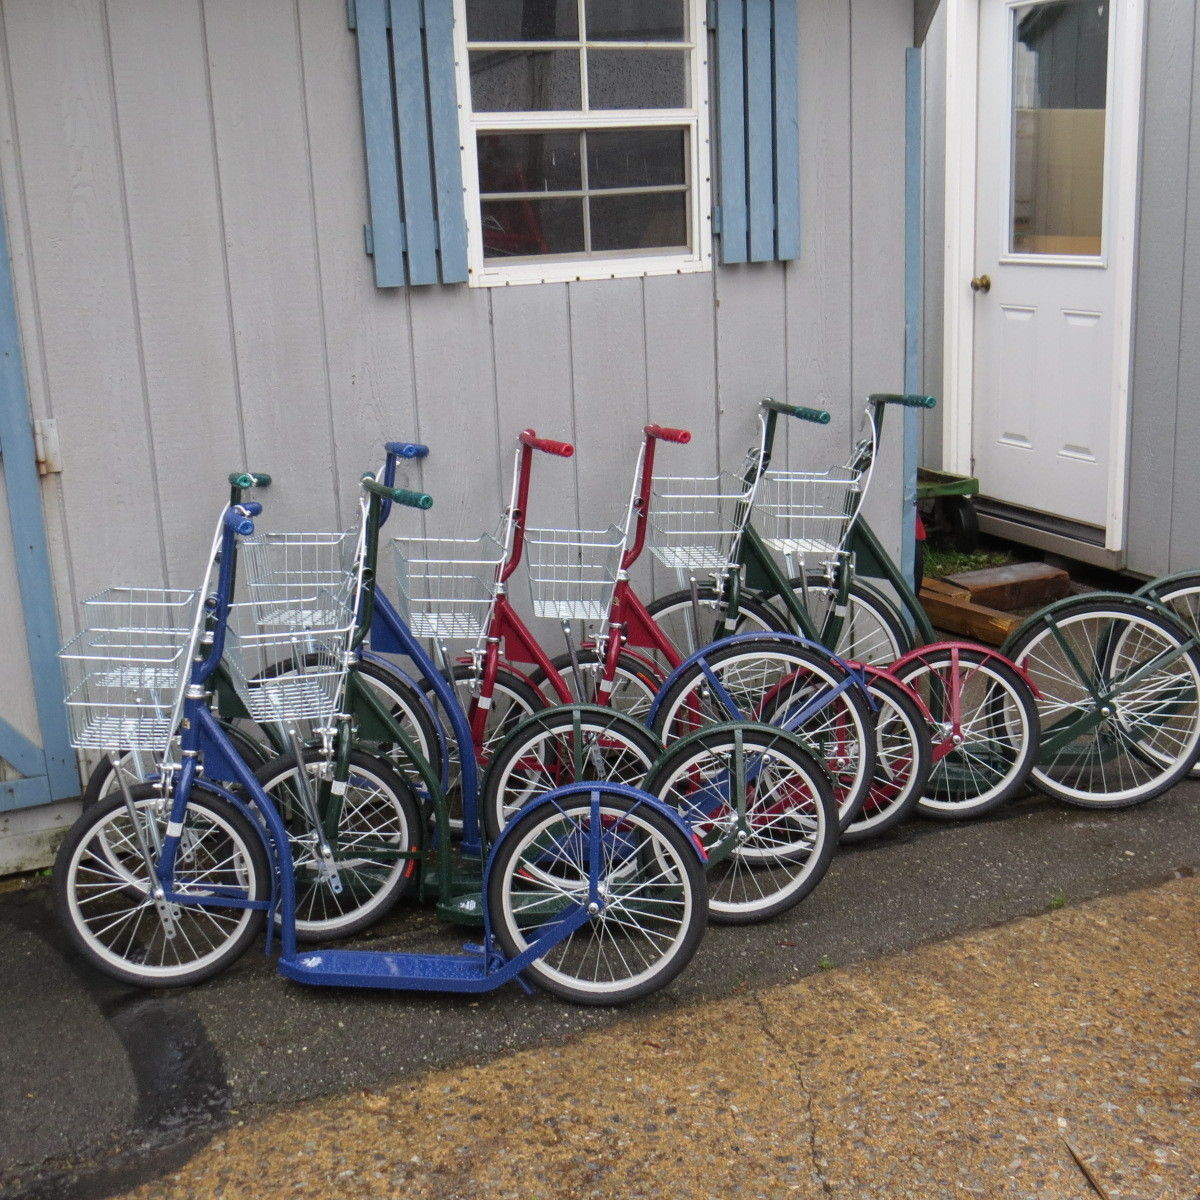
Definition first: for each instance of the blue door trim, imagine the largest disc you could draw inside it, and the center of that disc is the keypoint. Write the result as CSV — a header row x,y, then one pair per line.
x,y
56,776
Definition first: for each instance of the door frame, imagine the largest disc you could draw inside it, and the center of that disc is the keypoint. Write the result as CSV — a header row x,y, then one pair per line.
x,y
958,264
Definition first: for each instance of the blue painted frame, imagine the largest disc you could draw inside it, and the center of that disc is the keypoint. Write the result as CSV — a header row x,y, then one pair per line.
x,y
51,770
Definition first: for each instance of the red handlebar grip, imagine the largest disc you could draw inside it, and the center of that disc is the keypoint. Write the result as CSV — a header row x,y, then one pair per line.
x,y
666,434
531,439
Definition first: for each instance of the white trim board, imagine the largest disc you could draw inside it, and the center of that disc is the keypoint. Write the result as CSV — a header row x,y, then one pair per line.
x,y
958,263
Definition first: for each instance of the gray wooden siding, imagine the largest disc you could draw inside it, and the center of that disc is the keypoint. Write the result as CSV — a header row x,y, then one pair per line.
x,y
1164,502
185,191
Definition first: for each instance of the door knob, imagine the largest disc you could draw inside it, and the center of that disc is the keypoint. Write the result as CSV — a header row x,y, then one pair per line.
x,y
981,283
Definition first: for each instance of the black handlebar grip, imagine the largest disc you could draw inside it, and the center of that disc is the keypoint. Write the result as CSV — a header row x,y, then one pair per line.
x,y
909,401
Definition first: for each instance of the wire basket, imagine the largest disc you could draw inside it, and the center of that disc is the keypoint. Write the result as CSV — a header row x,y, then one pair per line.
x,y
446,585
807,514
572,573
286,673
124,673
695,521
301,579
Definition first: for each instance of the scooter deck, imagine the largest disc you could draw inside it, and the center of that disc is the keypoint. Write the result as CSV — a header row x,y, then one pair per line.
x,y
385,969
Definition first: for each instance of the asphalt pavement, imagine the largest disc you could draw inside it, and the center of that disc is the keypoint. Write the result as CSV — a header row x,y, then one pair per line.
x,y
104,1087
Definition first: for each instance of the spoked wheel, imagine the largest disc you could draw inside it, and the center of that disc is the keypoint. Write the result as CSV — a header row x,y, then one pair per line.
x,y
787,685
1181,594
903,760
690,626
633,689
373,832
560,746
604,847
871,632
136,766
406,707
985,728
764,810
102,888
1120,705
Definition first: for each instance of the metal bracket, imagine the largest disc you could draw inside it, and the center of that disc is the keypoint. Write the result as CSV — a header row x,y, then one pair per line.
x,y
46,448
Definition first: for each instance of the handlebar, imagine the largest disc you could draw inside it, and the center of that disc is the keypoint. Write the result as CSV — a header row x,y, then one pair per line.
x,y
818,416
406,449
410,499
237,518
666,434
908,401
248,479
548,446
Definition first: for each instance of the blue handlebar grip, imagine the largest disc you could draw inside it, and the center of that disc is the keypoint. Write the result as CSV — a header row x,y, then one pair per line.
x,y
908,401
238,522
406,449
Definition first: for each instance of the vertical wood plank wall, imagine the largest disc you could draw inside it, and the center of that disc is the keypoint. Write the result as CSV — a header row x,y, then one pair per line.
x,y
185,189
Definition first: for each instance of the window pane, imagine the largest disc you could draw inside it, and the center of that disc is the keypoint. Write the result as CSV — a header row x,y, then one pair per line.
x,y
1060,84
522,20
529,162
622,158
532,227
637,79
524,80
636,20
646,220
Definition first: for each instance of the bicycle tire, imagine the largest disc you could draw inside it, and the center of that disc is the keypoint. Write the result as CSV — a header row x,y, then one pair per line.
x,y
1181,594
541,755
788,818
634,687
903,760
773,680
651,878
102,897
407,707
674,613
1149,740
873,631
997,728
379,820
102,780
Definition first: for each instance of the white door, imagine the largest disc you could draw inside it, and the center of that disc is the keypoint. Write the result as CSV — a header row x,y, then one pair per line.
x,y
1046,413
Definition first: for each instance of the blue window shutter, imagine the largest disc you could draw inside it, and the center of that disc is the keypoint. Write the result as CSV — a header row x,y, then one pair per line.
x,y
410,121
758,145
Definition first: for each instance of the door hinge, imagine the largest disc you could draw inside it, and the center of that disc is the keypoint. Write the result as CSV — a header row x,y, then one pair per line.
x,y
711,17
716,218
45,446
369,239
351,14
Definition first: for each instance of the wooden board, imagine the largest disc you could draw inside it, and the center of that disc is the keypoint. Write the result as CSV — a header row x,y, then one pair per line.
x,y
1014,585
957,615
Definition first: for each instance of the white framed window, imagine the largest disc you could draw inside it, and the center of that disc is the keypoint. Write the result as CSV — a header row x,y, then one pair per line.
x,y
584,128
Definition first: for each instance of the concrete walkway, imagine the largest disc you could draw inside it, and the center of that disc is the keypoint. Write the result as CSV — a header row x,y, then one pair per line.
x,y
102,1086
1050,1057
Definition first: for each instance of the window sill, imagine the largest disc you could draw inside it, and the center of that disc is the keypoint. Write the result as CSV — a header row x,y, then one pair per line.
x,y
578,271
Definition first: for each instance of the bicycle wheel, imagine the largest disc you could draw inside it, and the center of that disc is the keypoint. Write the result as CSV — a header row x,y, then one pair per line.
x,y
763,808
985,732
785,684
560,746
903,760
136,766
102,888
1120,703
407,708
374,845
1181,594
872,631
650,895
689,627
634,687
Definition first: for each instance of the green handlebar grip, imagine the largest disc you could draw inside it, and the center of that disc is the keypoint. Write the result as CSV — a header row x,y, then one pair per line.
x,y
817,415
906,401
249,479
398,495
